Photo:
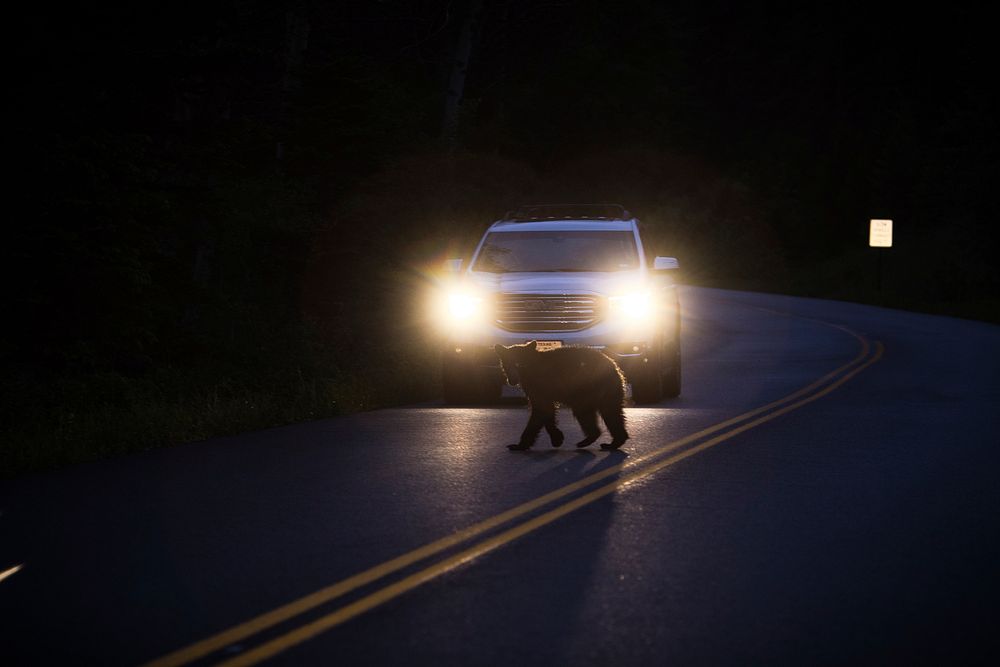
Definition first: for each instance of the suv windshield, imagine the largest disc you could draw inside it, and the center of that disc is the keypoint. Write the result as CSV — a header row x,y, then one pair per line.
x,y
512,252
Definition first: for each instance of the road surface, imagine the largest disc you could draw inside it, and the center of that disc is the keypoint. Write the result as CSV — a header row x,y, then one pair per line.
x,y
824,491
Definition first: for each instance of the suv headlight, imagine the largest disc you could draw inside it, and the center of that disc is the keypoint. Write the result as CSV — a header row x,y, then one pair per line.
x,y
462,306
632,306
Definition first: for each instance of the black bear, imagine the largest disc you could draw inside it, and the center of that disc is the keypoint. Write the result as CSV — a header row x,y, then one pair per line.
x,y
582,378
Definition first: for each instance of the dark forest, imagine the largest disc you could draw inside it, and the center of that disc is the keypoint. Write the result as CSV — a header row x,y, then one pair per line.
x,y
227,212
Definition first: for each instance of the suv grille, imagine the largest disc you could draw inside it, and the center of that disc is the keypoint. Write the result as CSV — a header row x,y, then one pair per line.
x,y
546,312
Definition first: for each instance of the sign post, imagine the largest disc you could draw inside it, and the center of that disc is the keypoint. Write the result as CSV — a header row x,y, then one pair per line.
x,y
879,236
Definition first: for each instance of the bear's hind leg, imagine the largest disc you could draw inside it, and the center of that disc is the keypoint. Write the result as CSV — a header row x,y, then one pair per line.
x,y
614,418
555,435
588,422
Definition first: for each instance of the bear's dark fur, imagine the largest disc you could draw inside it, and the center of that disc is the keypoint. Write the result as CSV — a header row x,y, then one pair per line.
x,y
582,378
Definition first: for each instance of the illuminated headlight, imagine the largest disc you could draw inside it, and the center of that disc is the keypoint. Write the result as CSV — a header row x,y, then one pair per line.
x,y
632,306
462,306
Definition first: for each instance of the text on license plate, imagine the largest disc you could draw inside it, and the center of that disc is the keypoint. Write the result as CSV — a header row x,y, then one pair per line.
x,y
544,345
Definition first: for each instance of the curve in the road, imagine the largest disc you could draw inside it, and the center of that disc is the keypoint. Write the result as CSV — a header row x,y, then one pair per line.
x,y
635,469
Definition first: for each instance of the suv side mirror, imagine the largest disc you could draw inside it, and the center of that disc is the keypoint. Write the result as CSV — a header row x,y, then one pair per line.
x,y
666,264
453,265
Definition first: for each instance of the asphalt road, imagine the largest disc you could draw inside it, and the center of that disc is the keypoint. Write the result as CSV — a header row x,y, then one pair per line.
x,y
823,492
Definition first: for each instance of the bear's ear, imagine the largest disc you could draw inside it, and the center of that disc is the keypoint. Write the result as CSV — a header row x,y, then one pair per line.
x,y
533,345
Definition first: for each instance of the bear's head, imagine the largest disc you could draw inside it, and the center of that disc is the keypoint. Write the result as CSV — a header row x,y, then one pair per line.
x,y
512,357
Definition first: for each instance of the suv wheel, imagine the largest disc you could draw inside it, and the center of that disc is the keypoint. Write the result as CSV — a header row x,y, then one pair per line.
x,y
465,383
672,376
647,384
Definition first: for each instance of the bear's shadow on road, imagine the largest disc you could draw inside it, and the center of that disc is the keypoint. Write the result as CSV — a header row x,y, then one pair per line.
x,y
612,457
572,465
565,563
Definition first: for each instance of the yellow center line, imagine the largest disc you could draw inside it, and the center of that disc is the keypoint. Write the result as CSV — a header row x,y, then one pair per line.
x,y
287,611
10,571
320,625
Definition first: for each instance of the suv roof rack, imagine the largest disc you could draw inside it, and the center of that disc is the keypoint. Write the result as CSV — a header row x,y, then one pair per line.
x,y
567,212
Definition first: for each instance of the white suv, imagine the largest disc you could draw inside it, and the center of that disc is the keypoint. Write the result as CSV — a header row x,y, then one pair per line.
x,y
562,275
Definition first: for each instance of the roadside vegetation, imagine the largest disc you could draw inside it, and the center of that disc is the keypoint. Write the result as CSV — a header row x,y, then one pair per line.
x,y
234,224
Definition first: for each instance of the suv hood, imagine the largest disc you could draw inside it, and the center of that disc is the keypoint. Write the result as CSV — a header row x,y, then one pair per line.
x,y
558,283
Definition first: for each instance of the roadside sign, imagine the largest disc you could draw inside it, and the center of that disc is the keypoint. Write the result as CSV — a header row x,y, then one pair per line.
x,y
880,234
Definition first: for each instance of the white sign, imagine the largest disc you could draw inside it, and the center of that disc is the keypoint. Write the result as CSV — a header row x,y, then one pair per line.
x,y
880,234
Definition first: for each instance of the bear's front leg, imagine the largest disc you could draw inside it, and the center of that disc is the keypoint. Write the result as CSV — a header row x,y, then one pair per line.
x,y
541,414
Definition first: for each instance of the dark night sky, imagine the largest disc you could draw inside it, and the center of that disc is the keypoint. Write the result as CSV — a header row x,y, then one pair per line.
x,y
706,76
150,135
547,80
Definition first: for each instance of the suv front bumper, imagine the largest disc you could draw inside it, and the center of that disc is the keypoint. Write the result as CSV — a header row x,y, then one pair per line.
x,y
630,357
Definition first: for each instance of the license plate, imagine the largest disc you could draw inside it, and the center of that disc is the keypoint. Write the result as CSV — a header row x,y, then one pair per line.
x,y
544,345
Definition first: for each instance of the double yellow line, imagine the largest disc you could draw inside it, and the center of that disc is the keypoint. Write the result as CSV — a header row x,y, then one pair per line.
x,y
634,469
